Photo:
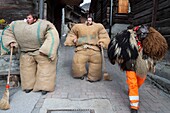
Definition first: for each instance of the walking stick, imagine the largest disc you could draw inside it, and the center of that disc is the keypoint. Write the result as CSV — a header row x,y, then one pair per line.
x,y
4,102
106,76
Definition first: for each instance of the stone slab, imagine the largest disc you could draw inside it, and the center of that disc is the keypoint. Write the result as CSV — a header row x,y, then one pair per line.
x,y
98,105
69,112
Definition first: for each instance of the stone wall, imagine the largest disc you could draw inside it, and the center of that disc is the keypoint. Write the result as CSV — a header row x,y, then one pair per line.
x,y
5,61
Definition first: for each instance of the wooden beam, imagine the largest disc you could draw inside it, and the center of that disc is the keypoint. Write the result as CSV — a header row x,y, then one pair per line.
x,y
164,30
154,13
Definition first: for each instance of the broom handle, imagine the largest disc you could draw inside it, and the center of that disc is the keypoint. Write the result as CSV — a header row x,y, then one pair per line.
x,y
104,64
10,63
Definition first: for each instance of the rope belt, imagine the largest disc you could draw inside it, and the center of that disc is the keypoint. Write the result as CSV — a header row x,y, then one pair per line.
x,y
87,46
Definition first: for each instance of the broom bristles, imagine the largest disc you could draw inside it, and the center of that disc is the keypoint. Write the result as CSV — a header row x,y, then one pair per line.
x,y
4,102
107,77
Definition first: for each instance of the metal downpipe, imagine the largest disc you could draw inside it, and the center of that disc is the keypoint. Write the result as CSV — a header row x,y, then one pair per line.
x,y
111,17
41,9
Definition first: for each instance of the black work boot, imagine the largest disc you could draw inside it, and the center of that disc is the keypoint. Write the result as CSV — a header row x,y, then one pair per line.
x,y
44,92
93,81
134,111
28,90
82,78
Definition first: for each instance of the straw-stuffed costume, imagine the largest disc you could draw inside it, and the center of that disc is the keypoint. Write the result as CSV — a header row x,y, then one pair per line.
x,y
38,44
87,49
136,51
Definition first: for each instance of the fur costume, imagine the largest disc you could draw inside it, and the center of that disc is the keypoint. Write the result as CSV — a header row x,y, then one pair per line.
x,y
138,49
155,45
120,49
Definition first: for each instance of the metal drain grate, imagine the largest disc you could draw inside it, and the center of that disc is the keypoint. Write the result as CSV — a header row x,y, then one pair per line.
x,y
71,111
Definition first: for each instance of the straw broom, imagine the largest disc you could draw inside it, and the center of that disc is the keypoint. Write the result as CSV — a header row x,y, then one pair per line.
x,y
106,76
4,102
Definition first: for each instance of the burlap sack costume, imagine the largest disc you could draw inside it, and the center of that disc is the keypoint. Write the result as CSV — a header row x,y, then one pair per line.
x,y
37,70
87,49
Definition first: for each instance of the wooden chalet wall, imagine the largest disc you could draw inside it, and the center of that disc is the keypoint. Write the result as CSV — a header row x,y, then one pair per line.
x,y
74,14
99,10
16,9
54,10
154,13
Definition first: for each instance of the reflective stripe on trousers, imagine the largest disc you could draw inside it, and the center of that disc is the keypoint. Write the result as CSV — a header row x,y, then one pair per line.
x,y
134,82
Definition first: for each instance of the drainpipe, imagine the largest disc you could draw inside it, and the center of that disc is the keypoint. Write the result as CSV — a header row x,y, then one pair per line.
x,y
41,9
111,15
63,22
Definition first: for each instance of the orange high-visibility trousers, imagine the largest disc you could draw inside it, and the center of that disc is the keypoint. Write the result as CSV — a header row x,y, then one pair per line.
x,y
134,82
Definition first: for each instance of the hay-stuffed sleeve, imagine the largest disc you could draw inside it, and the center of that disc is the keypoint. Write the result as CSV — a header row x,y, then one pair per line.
x,y
103,36
51,43
71,37
7,38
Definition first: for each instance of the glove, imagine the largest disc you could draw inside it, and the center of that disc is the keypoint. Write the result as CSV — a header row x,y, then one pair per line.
x,y
101,44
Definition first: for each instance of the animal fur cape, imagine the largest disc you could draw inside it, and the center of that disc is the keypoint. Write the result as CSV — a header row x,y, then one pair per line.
x,y
154,45
123,47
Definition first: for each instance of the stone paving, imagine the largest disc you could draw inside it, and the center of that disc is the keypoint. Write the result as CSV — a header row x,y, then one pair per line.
x,y
152,100
102,96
